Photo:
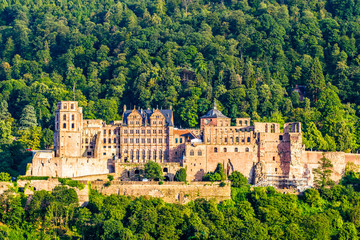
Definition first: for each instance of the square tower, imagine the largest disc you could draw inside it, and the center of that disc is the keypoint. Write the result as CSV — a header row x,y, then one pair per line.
x,y
68,128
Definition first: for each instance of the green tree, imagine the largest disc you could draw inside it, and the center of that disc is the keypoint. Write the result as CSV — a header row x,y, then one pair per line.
x,y
5,177
28,118
47,138
237,179
153,171
322,174
180,175
316,81
4,113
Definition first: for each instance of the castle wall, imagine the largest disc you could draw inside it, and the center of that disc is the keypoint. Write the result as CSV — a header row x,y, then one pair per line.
x,y
173,192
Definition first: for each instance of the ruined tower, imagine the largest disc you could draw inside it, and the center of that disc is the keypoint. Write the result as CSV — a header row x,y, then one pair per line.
x,y
68,126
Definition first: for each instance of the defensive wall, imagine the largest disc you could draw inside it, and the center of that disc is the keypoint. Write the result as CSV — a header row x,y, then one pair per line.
x,y
171,192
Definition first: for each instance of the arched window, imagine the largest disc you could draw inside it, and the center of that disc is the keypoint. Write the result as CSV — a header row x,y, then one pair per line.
x,y
199,153
64,117
165,170
109,131
137,155
73,117
72,125
109,140
137,171
72,106
154,154
248,139
225,149
149,154
247,149
246,122
64,125
236,149
240,122
191,152
160,154
215,149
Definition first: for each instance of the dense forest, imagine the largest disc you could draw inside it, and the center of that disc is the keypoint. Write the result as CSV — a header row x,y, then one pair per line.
x,y
261,213
247,55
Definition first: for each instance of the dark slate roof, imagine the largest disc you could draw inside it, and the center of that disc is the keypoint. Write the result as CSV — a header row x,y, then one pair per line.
x,y
146,116
214,113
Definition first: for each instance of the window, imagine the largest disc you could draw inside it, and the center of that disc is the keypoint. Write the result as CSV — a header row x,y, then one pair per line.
x,y
154,140
165,170
64,125
273,158
154,131
154,154
275,169
137,131
246,122
131,122
215,149
65,106
247,149
57,126
72,106
137,140
125,140
104,153
131,140
148,131
131,131
72,125
199,153
73,117
160,131
176,140
226,139
181,140
236,149
160,122
240,122
64,117
148,140
143,154
248,139
154,122
143,131
237,139
160,140
137,122
149,154
191,152
104,131
114,140
280,137
143,140
109,140
109,131
126,131
57,117
89,153
225,149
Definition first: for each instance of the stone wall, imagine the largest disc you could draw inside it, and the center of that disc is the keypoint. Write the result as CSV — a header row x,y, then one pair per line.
x,y
171,192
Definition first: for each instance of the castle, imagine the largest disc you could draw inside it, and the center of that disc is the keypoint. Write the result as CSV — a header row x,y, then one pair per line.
x,y
262,152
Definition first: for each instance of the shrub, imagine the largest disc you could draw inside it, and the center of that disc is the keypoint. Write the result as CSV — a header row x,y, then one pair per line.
x,y
71,183
33,177
110,177
107,184
180,175
5,177
161,183
237,179
222,184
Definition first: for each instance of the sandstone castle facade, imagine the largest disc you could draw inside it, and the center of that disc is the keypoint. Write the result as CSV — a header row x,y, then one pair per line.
x,y
262,152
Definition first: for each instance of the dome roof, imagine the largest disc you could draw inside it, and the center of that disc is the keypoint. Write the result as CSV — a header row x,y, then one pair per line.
x,y
214,113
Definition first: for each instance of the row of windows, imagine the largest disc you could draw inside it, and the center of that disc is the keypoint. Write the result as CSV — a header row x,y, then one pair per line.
x,y
192,153
64,126
72,106
138,122
143,131
237,139
148,140
180,139
235,150
150,154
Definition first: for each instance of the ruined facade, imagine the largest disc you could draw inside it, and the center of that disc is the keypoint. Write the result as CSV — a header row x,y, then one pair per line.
x,y
261,151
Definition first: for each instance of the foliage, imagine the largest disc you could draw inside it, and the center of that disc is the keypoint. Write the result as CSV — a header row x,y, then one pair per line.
x,y
237,179
180,175
153,171
110,177
322,174
5,177
217,175
33,178
71,183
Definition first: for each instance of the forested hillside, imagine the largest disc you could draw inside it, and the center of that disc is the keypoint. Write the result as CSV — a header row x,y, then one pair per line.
x,y
245,55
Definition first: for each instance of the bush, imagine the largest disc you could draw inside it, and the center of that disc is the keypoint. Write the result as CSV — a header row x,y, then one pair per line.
x,y
71,183
110,177
180,175
33,177
237,179
5,177
107,184
161,183
222,184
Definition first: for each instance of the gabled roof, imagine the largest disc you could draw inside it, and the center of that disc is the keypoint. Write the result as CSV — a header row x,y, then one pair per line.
x,y
214,113
145,114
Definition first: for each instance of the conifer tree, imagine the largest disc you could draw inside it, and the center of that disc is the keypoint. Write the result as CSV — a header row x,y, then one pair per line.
x,y
28,118
4,113
316,81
